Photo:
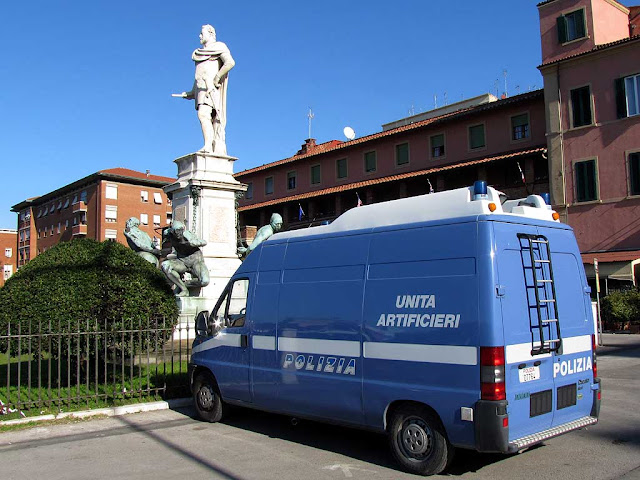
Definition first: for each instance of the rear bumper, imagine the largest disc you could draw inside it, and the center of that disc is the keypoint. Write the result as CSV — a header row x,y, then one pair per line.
x,y
530,440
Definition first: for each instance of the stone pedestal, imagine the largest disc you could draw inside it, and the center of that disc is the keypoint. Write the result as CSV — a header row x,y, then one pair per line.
x,y
204,199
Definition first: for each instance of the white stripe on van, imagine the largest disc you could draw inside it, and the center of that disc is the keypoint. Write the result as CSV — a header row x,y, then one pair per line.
x,y
412,352
521,352
220,340
262,342
345,348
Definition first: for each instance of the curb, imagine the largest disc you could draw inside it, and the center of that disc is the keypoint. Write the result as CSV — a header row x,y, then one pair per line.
x,y
109,412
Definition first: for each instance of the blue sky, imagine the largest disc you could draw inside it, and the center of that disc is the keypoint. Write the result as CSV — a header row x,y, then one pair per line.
x,y
86,85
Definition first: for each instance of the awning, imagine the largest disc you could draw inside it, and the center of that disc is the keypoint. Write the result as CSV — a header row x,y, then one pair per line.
x,y
613,265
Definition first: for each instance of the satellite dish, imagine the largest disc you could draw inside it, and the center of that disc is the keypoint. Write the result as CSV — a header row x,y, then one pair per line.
x,y
349,133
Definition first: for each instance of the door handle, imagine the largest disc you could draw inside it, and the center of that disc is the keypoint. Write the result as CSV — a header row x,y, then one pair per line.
x,y
244,341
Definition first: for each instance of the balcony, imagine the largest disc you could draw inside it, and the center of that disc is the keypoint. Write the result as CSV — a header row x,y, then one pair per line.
x,y
79,230
79,207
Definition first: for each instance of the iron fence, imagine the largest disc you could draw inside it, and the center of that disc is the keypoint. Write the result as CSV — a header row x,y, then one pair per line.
x,y
80,364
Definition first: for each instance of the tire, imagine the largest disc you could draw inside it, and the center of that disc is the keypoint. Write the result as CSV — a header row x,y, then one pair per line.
x,y
206,398
418,441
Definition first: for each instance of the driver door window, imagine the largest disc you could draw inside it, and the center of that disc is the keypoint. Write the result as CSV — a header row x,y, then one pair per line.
x,y
232,310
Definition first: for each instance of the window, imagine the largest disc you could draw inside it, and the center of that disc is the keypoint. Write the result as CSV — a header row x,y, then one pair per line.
x,y
634,173
476,136
110,234
66,203
315,174
7,271
59,205
111,192
402,154
144,219
111,213
83,196
231,310
75,200
628,96
571,26
144,196
249,193
268,185
157,198
370,162
66,224
437,145
292,178
39,213
156,219
581,106
341,168
59,229
586,187
8,252
520,126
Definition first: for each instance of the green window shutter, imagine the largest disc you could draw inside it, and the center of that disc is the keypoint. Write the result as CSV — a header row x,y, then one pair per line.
x,y
581,30
621,98
476,136
402,154
562,29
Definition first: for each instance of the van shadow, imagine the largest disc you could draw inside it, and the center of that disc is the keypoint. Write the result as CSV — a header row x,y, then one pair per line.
x,y
358,444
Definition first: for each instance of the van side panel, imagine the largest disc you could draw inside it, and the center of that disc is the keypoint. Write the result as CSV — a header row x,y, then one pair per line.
x,y
319,328
421,324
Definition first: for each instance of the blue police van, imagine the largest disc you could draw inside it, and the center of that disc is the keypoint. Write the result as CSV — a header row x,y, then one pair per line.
x,y
449,320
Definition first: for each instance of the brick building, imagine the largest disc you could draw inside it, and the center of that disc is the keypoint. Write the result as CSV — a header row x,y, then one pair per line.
x,y
8,253
96,206
591,70
480,138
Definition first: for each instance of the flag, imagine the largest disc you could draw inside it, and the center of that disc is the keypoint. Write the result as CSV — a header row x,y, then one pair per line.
x,y
521,173
359,204
300,212
430,186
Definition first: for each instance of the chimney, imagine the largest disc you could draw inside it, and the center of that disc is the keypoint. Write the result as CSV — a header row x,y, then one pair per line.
x,y
308,146
148,172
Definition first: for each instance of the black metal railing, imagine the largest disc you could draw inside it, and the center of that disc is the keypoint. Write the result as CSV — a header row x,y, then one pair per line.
x,y
80,364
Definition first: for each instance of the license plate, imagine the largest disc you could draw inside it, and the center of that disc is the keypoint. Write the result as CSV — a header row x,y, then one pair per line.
x,y
529,374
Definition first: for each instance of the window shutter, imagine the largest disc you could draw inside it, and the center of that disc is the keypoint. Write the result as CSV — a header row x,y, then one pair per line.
x,y
562,29
621,98
581,31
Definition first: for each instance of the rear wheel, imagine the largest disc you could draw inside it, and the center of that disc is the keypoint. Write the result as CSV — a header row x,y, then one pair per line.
x,y
206,398
418,441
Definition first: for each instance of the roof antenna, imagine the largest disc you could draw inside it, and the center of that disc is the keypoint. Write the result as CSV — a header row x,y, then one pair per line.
x,y
435,101
310,116
504,73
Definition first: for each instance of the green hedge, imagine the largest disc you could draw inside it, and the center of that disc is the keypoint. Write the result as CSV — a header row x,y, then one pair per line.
x,y
620,308
86,286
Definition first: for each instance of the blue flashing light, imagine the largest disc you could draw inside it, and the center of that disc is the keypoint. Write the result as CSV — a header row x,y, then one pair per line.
x,y
480,187
546,197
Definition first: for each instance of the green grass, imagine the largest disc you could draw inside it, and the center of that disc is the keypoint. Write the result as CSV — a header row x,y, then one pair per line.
x,y
43,392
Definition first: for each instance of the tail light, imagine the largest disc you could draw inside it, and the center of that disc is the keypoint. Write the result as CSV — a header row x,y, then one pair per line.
x,y
492,381
594,345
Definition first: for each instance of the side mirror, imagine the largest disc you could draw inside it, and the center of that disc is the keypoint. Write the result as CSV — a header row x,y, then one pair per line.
x,y
201,323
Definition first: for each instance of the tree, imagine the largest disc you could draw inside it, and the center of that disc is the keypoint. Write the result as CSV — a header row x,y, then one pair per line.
x,y
71,299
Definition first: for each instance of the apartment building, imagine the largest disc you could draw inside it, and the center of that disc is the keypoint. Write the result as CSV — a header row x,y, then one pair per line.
x,y
96,206
591,70
8,253
498,140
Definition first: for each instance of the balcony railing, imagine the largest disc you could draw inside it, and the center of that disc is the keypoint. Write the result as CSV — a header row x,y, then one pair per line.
x,y
79,207
79,230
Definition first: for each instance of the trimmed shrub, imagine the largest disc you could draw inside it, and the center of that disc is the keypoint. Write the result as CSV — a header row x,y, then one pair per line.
x,y
76,290
620,309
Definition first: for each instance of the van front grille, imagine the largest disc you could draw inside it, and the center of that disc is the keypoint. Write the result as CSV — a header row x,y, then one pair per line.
x,y
540,403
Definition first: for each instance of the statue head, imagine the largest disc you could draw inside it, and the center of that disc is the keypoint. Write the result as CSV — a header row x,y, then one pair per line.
x,y
276,222
133,222
178,228
208,33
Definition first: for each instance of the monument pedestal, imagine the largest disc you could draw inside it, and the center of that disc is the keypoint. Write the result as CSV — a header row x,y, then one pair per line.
x,y
204,199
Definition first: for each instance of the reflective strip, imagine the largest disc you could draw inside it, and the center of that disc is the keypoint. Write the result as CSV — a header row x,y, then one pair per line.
x,y
521,352
576,344
345,348
412,352
220,340
261,342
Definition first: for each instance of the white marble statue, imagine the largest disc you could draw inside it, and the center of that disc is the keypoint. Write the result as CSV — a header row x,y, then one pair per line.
x,y
213,62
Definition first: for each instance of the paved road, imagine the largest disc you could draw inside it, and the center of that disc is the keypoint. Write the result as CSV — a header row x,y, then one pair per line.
x,y
253,445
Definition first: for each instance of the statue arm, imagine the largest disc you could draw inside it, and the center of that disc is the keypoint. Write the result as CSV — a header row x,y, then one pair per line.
x,y
227,64
191,94
193,240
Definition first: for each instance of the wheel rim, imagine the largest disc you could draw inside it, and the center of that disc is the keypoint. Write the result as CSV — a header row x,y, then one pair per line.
x,y
206,397
415,438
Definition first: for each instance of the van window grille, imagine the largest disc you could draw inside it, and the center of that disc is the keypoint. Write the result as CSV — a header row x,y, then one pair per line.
x,y
540,403
567,396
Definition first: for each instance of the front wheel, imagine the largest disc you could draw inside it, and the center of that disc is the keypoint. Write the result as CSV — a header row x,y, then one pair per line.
x,y
206,398
418,441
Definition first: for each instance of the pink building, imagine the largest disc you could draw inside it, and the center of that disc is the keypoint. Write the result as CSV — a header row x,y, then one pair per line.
x,y
591,70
